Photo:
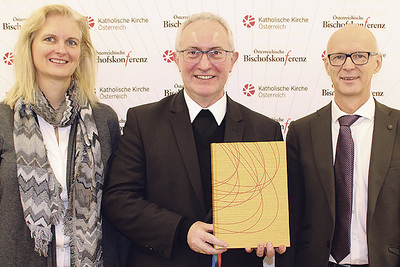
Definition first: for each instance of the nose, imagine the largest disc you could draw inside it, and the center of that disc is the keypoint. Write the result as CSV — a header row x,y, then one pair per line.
x,y
60,48
204,62
348,63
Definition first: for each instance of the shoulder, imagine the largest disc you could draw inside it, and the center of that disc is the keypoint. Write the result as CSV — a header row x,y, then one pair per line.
x,y
104,111
154,109
104,114
255,126
324,112
302,128
5,109
251,116
255,115
392,112
6,117
106,120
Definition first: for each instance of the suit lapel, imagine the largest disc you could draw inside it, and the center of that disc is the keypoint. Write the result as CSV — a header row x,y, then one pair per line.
x,y
321,139
182,128
233,122
385,128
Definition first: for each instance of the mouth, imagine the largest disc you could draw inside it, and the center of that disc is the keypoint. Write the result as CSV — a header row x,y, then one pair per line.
x,y
349,78
204,77
58,61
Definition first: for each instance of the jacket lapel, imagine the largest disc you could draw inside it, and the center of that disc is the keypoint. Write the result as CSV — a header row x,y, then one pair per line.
x,y
184,137
182,128
385,128
321,139
233,122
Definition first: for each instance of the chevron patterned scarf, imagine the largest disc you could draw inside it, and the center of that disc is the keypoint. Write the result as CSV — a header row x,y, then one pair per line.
x,y
39,189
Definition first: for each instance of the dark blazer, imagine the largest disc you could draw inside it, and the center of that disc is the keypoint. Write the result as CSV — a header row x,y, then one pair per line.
x,y
312,190
155,180
16,244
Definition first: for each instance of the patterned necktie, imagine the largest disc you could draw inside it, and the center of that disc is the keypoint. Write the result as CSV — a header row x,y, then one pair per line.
x,y
344,165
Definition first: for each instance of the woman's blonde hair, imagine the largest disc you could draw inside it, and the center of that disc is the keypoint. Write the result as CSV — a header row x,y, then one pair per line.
x,y
26,84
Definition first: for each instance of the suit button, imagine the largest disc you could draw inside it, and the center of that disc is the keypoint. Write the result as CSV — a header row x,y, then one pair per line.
x,y
328,243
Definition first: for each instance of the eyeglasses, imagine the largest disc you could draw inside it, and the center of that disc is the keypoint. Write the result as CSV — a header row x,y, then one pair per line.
x,y
194,55
358,58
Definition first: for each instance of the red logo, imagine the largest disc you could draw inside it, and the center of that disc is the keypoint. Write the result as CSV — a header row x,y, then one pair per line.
x,y
286,127
323,55
249,21
249,90
168,56
8,58
91,22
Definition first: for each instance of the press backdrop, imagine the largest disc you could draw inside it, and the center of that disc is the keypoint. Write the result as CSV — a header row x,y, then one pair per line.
x,y
281,44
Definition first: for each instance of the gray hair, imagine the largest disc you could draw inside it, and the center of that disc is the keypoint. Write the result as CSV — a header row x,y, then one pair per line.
x,y
204,16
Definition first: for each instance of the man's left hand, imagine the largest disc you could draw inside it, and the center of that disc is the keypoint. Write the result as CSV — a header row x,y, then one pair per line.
x,y
268,249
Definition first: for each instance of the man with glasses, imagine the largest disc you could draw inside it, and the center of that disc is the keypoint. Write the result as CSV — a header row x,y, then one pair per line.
x,y
159,190
344,167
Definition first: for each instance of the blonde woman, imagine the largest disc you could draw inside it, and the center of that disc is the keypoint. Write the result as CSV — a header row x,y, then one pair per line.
x,y
55,144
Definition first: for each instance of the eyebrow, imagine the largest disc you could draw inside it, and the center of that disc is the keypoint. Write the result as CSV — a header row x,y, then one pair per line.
x,y
212,48
55,35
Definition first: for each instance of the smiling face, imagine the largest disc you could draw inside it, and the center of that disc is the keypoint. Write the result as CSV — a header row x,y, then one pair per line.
x,y
56,49
204,81
352,82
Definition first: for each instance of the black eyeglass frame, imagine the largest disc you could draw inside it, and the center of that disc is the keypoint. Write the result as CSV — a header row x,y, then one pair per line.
x,y
351,57
205,52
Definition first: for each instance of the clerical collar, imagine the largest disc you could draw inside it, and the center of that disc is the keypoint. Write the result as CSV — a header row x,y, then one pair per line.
x,y
218,109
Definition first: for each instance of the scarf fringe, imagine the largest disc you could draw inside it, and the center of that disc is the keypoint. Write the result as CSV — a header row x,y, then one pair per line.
x,y
42,239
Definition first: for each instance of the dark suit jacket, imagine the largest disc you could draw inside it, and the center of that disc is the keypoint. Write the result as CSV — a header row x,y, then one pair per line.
x,y
312,190
155,179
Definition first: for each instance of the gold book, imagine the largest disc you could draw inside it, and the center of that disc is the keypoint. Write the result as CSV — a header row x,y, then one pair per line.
x,y
249,188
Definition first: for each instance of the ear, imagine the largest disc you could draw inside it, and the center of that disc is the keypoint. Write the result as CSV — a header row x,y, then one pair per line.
x,y
378,61
327,65
176,59
234,58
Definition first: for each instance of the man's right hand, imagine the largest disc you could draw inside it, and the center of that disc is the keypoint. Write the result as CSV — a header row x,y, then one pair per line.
x,y
201,239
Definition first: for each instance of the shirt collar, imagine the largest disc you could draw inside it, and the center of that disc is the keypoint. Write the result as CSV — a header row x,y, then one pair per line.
x,y
367,110
218,109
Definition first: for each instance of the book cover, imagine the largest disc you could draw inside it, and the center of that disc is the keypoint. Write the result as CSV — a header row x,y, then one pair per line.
x,y
249,187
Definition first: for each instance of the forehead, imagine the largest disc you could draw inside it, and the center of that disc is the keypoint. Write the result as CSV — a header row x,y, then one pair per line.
x,y
59,24
350,40
204,34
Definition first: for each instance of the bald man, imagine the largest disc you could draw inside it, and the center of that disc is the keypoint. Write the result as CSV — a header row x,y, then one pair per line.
x,y
373,232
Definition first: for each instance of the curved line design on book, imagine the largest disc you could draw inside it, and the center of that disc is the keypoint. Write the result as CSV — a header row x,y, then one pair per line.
x,y
232,191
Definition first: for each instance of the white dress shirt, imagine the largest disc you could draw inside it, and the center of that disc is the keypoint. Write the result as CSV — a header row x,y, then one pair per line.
x,y
57,156
218,109
361,131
